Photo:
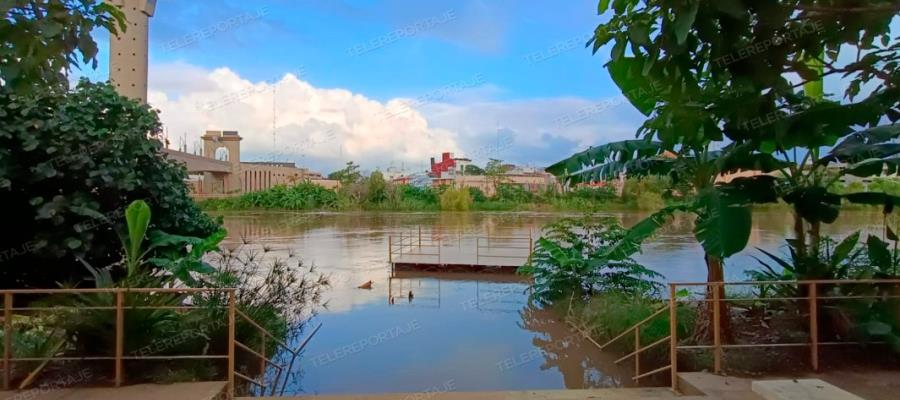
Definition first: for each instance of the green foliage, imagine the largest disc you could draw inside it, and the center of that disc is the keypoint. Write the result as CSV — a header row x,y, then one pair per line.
x,y
137,220
456,199
376,188
347,175
723,223
513,193
303,196
611,313
572,256
70,163
471,169
872,318
601,194
43,39
477,195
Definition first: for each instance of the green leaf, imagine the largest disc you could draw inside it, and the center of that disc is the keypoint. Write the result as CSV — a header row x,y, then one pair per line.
x,y
137,218
877,328
814,204
602,6
723,224
733,8
844,248
684,20
641,92
879,255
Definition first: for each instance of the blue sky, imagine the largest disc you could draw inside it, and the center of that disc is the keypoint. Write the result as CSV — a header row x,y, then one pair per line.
x,y
388,83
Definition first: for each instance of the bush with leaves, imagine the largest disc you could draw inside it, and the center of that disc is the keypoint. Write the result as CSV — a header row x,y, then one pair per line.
x,y
455,199
70,162
870,318
574,255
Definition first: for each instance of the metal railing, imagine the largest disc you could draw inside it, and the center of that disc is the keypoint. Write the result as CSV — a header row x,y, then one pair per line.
x,y
813,300
119,298
429,245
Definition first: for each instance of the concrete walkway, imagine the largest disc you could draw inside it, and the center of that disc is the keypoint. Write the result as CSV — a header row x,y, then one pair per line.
x,y
604,394
177,391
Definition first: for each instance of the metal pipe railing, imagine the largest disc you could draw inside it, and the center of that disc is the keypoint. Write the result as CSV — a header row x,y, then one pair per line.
x,y
714,289
120,308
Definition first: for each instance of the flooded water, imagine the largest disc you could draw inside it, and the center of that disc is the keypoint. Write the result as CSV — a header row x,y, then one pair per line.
x,y
418,332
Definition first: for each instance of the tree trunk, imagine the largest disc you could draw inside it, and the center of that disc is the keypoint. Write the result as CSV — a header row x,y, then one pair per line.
x,y
814,236
715,272
800,234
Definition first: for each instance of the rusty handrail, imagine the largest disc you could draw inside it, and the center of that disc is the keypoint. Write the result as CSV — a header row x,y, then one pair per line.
x,y
714,288
8,297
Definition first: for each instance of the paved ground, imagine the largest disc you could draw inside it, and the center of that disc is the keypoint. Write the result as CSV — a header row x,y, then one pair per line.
x,y
178,391
870,385
604,394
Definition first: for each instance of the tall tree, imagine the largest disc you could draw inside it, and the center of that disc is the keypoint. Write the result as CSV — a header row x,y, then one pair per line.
x,y
737,84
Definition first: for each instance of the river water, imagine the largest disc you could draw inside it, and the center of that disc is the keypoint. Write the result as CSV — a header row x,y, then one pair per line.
x,y
463,332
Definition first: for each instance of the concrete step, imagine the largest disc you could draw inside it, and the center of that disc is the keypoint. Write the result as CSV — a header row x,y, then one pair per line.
x,y
801,389
175,391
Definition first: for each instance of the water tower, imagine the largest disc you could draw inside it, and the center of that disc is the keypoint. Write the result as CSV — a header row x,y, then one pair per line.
x,y
128,50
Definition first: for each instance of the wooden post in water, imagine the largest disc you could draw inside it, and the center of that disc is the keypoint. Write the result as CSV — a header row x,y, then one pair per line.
x,y
717,327
814,326
120,334
673,337
7,338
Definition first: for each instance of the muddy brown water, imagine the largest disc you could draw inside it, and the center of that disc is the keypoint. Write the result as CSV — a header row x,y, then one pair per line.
x,y
463,332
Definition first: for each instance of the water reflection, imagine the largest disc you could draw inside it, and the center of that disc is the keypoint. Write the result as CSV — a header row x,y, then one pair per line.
x,y
580,362
474,330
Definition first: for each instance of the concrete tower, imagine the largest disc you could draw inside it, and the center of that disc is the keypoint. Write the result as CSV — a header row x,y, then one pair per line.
x,y
128,50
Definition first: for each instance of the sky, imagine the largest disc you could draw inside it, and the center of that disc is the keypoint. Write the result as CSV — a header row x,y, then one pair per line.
x,y
385,83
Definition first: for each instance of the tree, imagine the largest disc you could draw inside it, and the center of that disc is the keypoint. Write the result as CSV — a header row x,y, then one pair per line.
x,y
715,80
70,163
376,188
42,39
347,175
494,171
471,169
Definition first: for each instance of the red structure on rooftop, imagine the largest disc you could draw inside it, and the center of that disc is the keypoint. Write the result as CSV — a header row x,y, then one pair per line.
x,y
447,163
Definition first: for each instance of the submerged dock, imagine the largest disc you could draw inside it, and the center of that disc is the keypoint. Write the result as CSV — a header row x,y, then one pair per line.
x,y
431,251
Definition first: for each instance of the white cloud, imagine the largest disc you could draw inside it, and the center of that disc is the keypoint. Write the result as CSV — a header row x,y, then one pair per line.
x,y
330,125
324,128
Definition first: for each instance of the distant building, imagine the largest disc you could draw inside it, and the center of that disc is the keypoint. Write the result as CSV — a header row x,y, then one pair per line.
x,y
450,171
219,171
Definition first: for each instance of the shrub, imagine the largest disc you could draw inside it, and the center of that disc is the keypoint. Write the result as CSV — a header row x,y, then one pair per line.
x,y
70,162
456,199
303,196
649,201
477,195
513,192
571,256
376,190
595,194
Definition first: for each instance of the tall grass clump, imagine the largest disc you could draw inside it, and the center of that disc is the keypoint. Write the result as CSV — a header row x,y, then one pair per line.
x,y
456,199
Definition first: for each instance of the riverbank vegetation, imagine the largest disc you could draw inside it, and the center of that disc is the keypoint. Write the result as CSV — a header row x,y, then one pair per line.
x,y
94,204
373,193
